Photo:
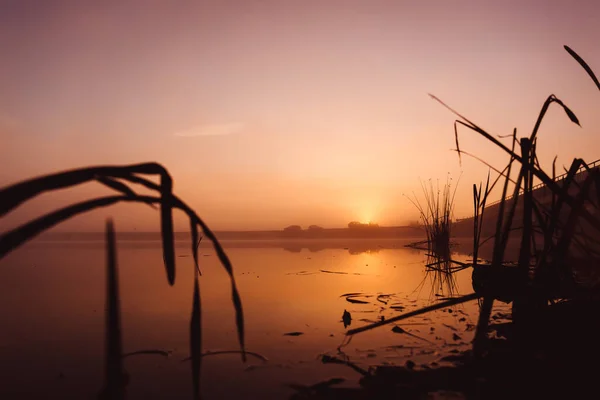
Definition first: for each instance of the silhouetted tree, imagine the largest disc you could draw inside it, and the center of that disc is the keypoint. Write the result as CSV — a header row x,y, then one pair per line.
x,y
359,225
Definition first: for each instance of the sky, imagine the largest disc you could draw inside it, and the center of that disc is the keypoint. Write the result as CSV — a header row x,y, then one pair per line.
x,y
272,113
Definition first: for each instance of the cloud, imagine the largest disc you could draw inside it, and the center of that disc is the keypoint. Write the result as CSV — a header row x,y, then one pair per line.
x,y
212,130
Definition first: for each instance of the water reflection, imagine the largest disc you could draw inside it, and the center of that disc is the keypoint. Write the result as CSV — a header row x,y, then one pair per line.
x,y
353,250
56,325
352,246
440,276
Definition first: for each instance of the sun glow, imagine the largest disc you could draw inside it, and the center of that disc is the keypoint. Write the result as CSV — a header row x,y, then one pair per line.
x,y
365,216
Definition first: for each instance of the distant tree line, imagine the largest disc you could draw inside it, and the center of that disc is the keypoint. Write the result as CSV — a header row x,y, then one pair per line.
x,y
317,228
360,225
298,228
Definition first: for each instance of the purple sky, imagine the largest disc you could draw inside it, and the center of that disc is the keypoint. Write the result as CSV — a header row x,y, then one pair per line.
x,y
270,113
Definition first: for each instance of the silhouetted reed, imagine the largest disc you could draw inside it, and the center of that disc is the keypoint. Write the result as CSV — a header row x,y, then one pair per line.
x,y
553,235
498,279
114,177
436,214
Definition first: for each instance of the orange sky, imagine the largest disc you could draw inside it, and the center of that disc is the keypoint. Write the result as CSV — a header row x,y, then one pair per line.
x,y
270,113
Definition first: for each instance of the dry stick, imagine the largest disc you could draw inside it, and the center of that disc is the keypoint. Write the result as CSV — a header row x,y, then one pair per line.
x,y
424,310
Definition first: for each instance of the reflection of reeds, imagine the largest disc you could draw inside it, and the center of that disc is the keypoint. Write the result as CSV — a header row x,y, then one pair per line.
x,y
439,272
115,178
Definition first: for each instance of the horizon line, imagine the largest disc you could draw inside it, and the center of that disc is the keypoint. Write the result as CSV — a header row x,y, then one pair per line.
x,y
233,230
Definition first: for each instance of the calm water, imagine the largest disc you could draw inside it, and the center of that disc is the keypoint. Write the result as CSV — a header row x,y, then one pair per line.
x,y
52,300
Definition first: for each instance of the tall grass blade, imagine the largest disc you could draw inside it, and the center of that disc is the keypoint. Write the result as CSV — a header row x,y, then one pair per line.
x,y
235,295
570,113
457,145
114,373
195,244
541,175
196,339
166,226
16,237
120,187
116,185
22,191
551,99
13,195
585,66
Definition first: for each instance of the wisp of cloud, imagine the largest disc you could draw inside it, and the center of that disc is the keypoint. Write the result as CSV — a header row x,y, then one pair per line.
x,y
212,130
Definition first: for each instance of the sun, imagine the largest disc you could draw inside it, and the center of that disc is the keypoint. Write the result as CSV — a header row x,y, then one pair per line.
x,y
366,209
366,216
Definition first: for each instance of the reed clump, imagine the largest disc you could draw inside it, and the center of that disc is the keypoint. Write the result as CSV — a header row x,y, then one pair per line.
x,y
436,215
